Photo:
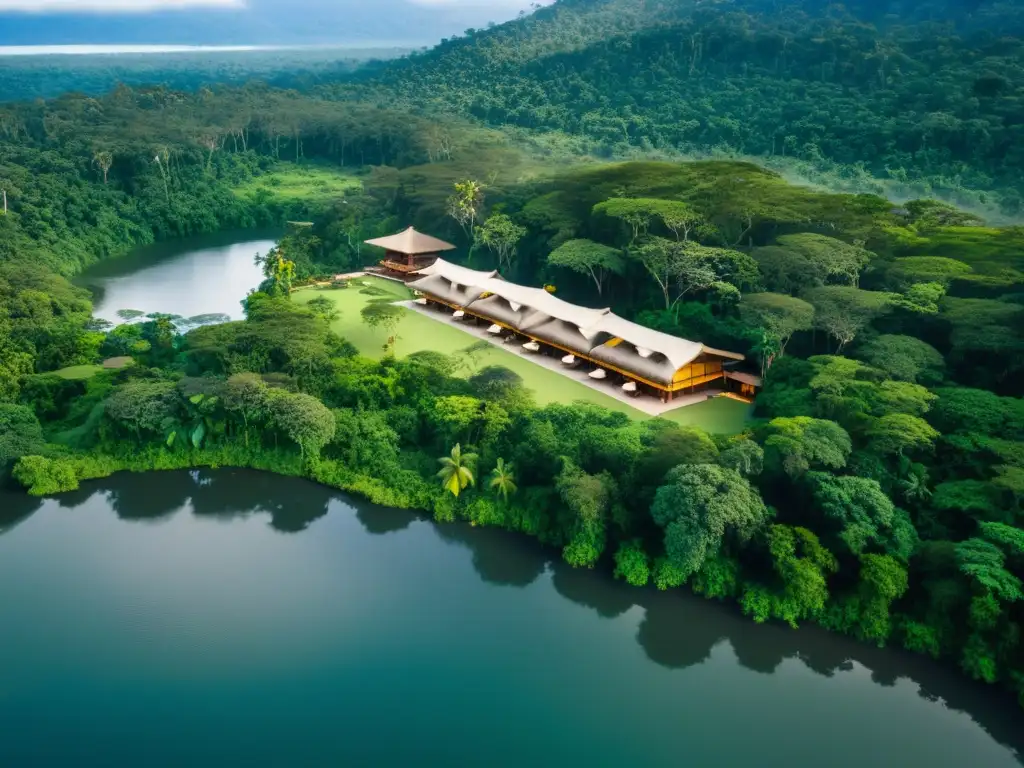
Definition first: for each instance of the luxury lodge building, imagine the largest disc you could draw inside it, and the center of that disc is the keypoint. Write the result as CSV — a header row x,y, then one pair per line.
x,y
647,361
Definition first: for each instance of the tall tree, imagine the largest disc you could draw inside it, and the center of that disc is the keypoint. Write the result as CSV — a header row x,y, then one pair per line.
x,y
835,261
303,419
588,499
501,235
246,395
103,160
774,318
863,515
637,214
843,312
589,258
904,358
680,268
466,204
794,445
698,506
503,480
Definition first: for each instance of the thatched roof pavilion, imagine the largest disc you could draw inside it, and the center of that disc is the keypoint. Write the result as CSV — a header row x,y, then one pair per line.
x,y
409,250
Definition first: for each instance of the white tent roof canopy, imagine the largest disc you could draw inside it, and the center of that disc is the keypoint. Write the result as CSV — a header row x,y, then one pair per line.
x,y
540,307
649,342
543,306
455,274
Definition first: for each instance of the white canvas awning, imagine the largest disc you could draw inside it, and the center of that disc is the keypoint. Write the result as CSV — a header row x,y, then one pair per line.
x,y
679,352
569,359
458,314
629,386
531,346
495,329
457,275
600,373
597,334
422,302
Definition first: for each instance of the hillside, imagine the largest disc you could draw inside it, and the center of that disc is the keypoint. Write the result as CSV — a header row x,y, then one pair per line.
x,y
912,110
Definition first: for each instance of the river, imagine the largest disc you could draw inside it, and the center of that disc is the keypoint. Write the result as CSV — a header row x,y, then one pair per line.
x,y
237,619
202,275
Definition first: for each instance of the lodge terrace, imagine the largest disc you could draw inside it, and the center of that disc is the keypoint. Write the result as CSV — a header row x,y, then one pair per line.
x,y
647,361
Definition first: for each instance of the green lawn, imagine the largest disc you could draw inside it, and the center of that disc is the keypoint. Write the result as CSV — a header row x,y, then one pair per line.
x,y
289,183
418,332
79,372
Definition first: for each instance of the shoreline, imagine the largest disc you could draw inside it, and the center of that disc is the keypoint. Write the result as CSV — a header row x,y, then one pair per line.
x,y
280,463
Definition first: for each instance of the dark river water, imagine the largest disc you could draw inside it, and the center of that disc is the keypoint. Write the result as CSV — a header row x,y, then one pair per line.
x,y
229,618
207,274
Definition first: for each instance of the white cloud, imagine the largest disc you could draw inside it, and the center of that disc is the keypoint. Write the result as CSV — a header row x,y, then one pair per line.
x,y
111,6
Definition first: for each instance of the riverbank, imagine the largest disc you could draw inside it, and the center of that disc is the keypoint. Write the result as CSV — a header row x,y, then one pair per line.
x,y
64,473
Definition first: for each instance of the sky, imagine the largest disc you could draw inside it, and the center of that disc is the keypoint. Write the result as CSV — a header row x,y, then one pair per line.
x,y
146,6
245,22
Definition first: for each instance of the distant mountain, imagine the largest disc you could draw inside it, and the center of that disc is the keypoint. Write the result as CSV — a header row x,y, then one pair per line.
x,y
913,97
263,22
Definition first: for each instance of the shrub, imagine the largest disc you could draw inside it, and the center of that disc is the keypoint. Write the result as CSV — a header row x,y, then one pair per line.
x,y
631,564
45,477
667,574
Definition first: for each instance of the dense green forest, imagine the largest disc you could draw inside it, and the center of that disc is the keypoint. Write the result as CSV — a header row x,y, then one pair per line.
x,y
930,108
904,99
47,76
879,490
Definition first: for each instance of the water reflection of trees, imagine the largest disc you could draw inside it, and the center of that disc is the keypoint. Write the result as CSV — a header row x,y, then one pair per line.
x,y
292,504
154,497
16,508
680,630
379,521
499,557
677,630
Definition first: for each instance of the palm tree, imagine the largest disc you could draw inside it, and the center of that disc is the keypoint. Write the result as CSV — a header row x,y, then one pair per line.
x,y
104,160
914,482
503,481
456,473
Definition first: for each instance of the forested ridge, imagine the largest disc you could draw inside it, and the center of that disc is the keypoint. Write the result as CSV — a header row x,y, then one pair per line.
x,y
877,492
930,108
47,76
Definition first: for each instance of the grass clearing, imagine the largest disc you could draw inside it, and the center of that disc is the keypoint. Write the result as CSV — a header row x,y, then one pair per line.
x,y
79,372
290,183
418,332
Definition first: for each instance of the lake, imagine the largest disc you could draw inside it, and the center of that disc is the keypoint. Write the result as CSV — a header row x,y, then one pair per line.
x,y
232,618
207,274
